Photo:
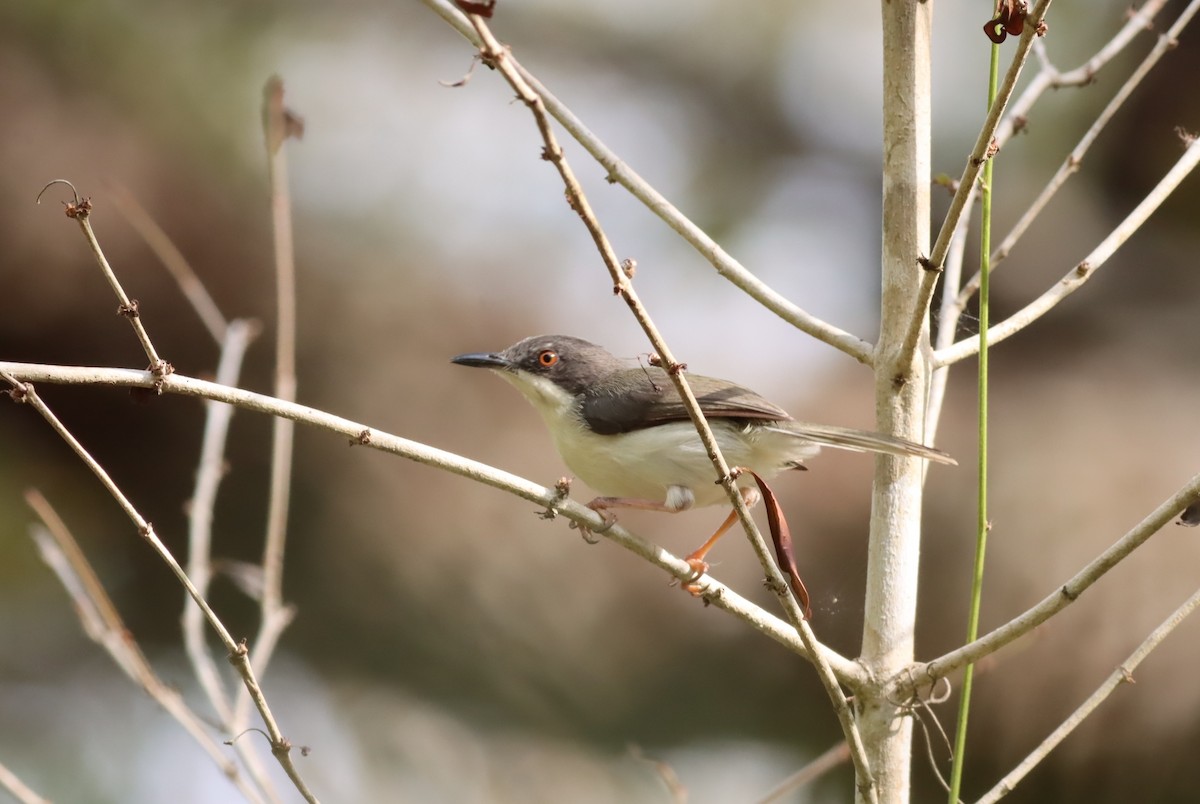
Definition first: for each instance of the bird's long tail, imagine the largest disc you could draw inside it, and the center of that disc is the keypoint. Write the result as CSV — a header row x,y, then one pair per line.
x,y
861,441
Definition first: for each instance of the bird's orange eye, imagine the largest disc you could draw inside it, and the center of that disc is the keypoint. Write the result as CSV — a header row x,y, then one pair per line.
x,y
547,358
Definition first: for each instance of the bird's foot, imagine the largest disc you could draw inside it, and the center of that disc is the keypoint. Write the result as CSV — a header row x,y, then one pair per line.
x,y
610,519
699,567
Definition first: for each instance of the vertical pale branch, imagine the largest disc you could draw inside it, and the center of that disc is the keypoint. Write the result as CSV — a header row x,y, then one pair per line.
x,y
901,386
200,516
211,469
279,124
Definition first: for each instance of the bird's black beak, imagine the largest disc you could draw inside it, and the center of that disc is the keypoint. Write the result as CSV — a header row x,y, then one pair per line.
x,y
482,360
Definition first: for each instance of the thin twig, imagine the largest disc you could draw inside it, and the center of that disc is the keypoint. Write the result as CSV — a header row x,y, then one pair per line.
x,y
80,211
173,260
1122,675
620,173
980,153
836,755
1070,165
279,124
849,672
103,624
238,653
209,473
18,789
1084,271
902,685
1017,118
1048,77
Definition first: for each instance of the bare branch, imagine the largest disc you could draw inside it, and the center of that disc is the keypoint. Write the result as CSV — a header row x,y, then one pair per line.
x,y
238,335
849,672
904,683
200,515
80,211
279,124
104,625
1047,77
1122,675
1070,165
1084,271
622,174
238,654
981,152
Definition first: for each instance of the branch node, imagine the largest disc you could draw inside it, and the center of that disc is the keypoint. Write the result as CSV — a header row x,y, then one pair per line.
x,y
629,265
363,439
1083,269
929,265
775,587
561,490
734,473
1069,594
282,748
130,310
76,209
20,391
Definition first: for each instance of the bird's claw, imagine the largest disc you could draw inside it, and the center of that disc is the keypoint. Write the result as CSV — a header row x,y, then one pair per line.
x,y
588,533
699,567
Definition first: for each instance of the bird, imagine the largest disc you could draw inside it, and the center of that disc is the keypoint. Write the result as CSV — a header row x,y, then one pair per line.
x,y
624,431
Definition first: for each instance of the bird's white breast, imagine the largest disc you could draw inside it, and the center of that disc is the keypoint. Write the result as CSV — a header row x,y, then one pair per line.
x,y
645,464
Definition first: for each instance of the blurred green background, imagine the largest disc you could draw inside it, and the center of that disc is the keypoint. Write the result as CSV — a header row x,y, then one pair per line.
x,y
450,645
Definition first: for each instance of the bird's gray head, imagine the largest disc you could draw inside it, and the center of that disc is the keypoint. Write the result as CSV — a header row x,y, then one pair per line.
x,y
571,364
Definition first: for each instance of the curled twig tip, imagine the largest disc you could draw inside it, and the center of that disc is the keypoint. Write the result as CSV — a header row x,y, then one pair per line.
x,y
58,181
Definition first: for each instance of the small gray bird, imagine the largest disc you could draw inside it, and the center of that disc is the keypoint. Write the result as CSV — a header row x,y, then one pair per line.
x,y
624,431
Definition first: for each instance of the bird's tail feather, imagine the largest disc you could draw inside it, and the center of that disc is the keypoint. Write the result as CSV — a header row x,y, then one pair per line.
x,y
861,441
